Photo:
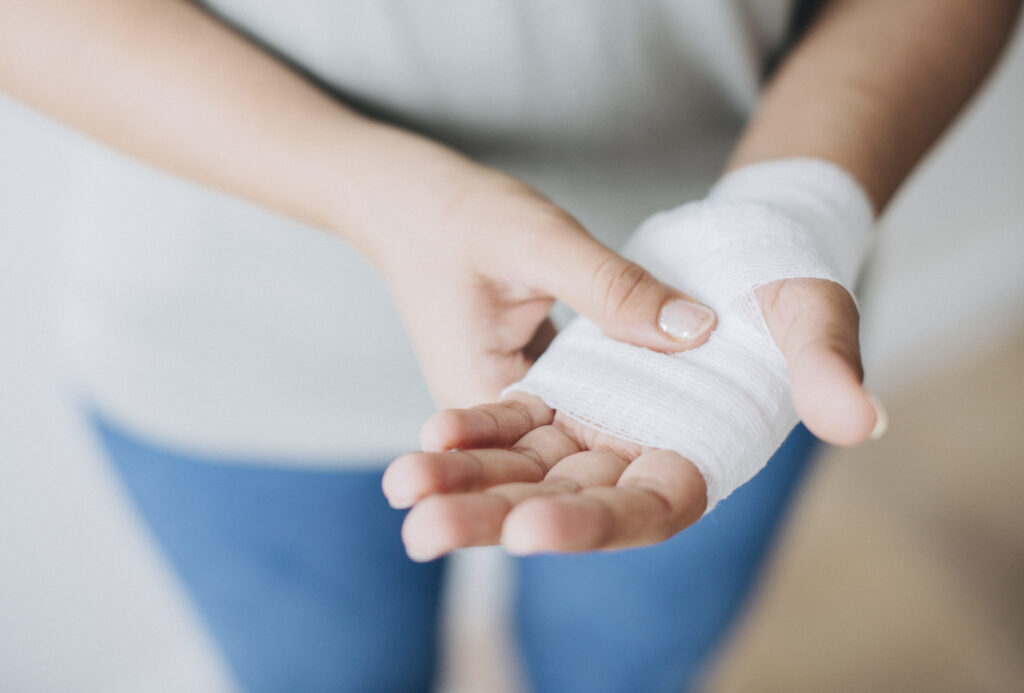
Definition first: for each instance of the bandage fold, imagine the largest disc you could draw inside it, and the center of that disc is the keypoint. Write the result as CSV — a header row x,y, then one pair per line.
x,y
726,405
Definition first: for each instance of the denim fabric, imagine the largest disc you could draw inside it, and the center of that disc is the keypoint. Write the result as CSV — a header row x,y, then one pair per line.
x,y
649,619
301,579
299,575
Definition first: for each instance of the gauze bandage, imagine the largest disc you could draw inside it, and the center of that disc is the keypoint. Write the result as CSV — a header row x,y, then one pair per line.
x,y
726,405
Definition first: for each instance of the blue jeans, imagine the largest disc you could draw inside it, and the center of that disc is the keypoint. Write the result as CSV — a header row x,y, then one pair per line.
x,y
300,577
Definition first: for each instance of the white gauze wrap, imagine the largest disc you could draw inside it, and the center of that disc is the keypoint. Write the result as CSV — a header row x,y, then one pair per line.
x,y
726,405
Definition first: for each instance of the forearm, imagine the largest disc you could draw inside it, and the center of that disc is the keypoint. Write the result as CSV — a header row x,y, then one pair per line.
x,y
163,81
874,83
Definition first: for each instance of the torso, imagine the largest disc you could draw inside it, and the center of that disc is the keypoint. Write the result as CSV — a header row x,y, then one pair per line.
x,y
206,322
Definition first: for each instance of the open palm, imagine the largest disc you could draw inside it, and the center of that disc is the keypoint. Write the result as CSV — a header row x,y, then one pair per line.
x,y
520,474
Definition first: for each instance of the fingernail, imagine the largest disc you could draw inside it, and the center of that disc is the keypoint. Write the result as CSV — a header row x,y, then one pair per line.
x,y
399,504
881,418
684,320
421,549
518,543
421,555
399,501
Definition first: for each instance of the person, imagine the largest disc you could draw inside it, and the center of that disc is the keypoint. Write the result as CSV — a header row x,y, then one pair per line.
x,y
249,376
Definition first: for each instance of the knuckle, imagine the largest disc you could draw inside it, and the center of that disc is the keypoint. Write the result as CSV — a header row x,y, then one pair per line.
x,y
617,284
522,412
530,453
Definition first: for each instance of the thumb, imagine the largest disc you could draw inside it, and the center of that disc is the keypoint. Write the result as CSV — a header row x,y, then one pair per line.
x,y
626,301
815,324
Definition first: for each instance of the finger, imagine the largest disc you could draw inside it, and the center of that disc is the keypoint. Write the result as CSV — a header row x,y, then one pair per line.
x,y
541,340
658,495
625,300
495,425
590,468
475,373
815,323
439,524
483,518
419,474
500,353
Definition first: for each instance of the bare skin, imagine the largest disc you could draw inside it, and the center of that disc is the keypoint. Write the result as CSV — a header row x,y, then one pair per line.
x,y
870,87
474,257
520,474
468,255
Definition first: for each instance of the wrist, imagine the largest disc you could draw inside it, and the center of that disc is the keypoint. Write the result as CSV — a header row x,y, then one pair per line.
x,y
386,185
817,194
798,180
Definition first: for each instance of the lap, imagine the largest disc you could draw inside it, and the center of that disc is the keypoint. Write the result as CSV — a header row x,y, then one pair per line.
x,y
298,574
647,619
300,577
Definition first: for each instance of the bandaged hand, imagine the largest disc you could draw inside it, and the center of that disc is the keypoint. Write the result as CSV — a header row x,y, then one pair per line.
x,y
604,444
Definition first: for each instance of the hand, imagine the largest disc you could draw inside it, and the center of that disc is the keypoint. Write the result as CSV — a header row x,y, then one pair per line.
x,y
535,480
476,274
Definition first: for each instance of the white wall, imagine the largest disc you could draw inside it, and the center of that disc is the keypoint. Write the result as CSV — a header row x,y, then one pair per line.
x,y
84,604
950,271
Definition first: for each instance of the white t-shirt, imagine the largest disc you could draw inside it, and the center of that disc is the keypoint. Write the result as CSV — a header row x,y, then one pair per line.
x,y
207,323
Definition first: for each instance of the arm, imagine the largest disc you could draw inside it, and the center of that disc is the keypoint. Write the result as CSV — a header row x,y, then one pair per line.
x,y
164,82
874,83
474,258
870,88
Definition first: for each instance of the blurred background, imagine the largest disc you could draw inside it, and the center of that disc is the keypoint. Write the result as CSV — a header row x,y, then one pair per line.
x,y
902,567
